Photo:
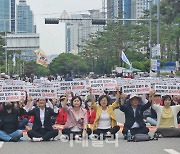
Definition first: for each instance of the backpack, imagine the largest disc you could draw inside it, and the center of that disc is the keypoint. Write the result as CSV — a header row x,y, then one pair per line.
x,y
141,137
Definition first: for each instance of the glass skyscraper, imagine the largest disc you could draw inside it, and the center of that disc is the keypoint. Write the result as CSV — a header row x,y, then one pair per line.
x,y
25,18
13,12
127,9
7,15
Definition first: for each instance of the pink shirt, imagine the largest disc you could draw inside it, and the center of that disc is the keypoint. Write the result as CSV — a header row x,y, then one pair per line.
x,y
71,120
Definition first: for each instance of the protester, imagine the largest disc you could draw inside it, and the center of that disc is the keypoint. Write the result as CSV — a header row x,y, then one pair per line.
x,y
176,101
133,111
152,119
42,129
167,118
68,78
172,75
61,118
105,123
9,122
76,125
90,112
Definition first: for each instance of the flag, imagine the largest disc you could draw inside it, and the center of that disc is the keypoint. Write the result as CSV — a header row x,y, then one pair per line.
x,y
124,58
41,58
14,59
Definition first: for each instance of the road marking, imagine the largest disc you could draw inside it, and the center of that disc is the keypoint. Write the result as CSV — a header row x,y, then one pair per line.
x,y
171,151
1,144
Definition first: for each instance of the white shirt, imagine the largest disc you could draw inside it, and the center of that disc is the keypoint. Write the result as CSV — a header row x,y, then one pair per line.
x,y
42,116
104,120
76,128
135,125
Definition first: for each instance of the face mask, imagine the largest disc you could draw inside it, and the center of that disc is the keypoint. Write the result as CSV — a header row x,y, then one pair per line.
x,y
8,107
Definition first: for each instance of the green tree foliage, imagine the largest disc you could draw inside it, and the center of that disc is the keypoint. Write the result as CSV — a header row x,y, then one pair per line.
x,y
103,51
67,63
32,68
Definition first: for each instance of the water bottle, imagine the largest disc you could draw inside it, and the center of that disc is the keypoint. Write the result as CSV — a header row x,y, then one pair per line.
x,y
128,136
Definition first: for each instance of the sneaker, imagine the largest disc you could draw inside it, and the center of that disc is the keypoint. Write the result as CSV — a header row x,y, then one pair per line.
x,y
157,135
108,133
35,139
63,138
77,137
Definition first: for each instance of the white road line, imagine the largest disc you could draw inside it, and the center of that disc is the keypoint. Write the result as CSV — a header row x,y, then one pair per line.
x,y
171,151
1,144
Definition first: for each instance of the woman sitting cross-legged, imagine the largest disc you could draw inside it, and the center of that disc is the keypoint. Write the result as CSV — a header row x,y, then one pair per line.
x,y
167,118
105,123
9,131
76,125
42,129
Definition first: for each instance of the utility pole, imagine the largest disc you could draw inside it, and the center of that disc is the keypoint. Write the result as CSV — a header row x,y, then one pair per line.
x,y
158,22
158,36
5,48
150,28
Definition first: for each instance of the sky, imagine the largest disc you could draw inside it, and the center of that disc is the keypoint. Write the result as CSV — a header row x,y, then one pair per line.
x,y
52,37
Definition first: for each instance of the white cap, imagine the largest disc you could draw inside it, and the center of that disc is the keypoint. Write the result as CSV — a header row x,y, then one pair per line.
x,y
133,95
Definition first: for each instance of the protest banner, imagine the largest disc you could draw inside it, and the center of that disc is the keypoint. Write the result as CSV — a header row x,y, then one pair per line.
x,y
137,88
42,93
167,89
10,96
13,88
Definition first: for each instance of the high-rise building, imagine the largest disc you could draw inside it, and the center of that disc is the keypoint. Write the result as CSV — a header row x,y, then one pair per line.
x,y
13,15
25,24
77,32
126,9
7,15
25,18
137,7
114,9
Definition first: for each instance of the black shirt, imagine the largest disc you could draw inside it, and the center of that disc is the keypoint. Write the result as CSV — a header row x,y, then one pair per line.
x,y
9,121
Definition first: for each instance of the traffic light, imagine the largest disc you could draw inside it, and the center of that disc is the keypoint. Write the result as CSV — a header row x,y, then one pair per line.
x,y
98,22
51,21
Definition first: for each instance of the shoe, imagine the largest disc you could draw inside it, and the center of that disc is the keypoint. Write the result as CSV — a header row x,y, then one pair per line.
x,y
35,139
77,137
63,138
157,135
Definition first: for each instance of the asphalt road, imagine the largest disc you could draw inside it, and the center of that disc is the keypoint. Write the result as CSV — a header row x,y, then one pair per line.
x,y
162,146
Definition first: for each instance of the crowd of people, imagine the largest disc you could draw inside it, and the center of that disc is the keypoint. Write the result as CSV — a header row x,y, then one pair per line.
x,y
40,116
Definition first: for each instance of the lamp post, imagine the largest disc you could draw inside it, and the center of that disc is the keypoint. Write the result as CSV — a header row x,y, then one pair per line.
x,y
158,34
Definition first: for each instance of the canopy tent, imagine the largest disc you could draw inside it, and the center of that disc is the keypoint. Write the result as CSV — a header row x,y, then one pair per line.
x,y
170,63
133,70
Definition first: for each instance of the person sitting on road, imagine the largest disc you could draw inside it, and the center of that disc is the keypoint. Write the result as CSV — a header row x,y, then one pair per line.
x,y
152,119
90,112
167,118
61,118
176,101
9,131
105,123
42,129
76,125
133,111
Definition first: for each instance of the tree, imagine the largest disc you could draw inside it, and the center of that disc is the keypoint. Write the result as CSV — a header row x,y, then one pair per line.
x,y
67,63
32,68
